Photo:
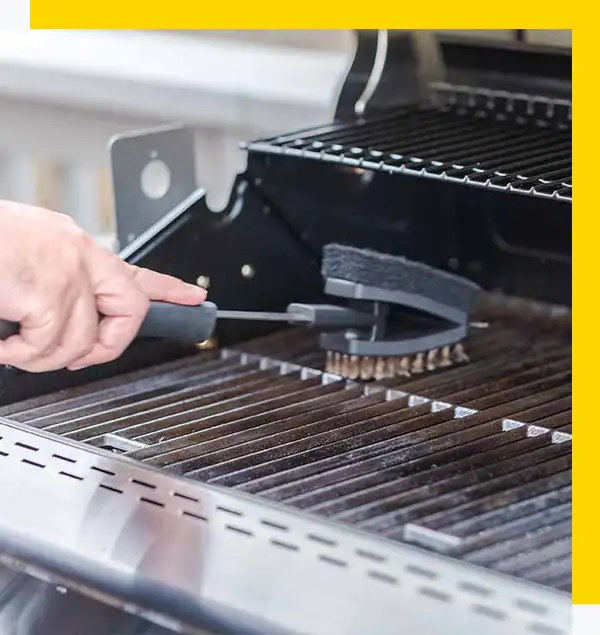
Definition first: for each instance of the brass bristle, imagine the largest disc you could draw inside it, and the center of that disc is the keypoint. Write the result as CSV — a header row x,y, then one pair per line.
x,y
446,357
418,364
367,368
432,360
329,362
337,363
459,355
345,366
332,363
378,368
354,367
403,367
390,367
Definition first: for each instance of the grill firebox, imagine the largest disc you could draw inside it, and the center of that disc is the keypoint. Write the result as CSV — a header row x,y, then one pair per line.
x,y
473,462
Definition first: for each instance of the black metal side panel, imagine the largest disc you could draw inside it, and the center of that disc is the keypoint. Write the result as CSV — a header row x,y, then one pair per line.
x,y
253,258
511,66
520,245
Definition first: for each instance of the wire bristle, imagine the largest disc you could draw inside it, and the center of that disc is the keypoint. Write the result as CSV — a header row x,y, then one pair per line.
x,y
378,368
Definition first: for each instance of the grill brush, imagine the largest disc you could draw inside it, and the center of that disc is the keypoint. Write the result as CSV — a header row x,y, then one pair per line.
x,y
406,318
421,314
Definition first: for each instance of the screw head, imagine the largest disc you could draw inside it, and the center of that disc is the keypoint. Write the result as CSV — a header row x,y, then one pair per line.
x,y
248,271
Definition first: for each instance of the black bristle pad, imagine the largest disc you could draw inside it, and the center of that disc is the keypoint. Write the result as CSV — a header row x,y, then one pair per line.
x,y
396,273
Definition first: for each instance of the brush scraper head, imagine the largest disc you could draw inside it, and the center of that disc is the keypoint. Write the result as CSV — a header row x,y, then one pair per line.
x,y
422,314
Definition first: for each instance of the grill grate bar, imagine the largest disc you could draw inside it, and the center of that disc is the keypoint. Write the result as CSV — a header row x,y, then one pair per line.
x,y
513,488
519,161
521,563
306,408
532,510
533,545
452,382
509,387
346,429
231,393
377,506
258,404
109,391
549,573
184,387
525,534
397,443
105,389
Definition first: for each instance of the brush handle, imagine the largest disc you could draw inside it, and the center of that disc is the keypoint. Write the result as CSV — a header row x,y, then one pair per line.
x,y
7,329
185,324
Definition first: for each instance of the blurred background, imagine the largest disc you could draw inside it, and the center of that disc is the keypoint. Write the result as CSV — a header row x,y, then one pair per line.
x,y
63,94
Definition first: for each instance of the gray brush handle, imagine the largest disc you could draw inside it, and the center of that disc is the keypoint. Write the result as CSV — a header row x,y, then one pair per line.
x,y
185,324
7,329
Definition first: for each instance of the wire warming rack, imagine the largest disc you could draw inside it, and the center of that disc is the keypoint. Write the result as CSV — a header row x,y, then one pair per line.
x,y
503,142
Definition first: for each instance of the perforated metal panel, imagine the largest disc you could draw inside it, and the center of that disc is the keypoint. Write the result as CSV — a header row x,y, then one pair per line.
x,y
185,554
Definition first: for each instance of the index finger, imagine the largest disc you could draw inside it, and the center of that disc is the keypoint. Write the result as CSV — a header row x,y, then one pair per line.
x,y
158,286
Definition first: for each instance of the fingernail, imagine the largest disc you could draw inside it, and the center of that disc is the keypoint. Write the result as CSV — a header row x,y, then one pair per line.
x,y
199,292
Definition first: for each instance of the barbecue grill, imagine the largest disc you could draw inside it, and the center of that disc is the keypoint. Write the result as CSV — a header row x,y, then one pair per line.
x,y
239,487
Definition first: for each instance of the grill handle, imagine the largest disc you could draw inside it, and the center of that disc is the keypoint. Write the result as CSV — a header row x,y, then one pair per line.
x,y
185,324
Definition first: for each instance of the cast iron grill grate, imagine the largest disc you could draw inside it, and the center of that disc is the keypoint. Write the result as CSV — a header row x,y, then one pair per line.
x,y
473,461
496,140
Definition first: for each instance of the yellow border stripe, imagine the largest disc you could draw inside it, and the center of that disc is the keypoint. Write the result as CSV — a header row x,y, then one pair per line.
x,y
586,551
275,14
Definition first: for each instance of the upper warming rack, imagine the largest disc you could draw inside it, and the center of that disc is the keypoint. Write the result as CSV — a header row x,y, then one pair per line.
x,y
478,137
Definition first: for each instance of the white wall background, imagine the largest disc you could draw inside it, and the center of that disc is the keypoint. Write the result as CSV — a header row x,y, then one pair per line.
x,y
64,94
14,14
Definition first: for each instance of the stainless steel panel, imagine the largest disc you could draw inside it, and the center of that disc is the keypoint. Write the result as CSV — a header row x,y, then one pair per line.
x,y
189,556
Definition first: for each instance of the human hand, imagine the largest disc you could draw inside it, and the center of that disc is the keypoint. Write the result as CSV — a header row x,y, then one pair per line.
x,y
77,303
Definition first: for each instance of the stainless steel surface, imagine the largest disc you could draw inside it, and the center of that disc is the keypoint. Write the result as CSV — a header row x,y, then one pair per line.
x,y
259,316
153,172
321,315
184,553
